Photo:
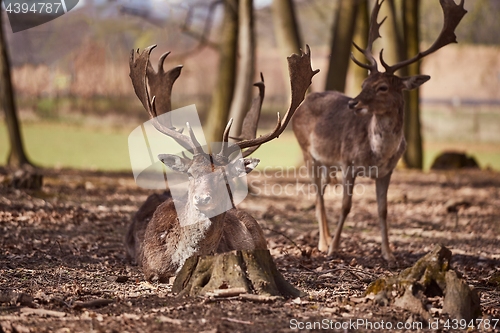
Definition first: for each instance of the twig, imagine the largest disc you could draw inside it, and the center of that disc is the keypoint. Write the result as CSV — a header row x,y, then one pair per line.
x,y
282,234
97,303
203,40
237,321
227,292
259,298
43,312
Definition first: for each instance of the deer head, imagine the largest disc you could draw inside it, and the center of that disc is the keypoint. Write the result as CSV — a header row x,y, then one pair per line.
x,y
209,173
381,89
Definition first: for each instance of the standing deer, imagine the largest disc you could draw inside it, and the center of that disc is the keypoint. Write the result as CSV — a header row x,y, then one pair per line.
x,y
156,239
362,135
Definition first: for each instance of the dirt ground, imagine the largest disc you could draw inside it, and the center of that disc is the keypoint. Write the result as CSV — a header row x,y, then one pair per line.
x,y
63,268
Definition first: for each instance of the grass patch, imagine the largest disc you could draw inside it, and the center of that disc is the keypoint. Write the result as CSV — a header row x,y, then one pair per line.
x,y
54,144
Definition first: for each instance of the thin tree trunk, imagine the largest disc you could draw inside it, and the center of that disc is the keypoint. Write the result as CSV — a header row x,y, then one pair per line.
x,y
357,73
17,156
343,31
413,156
286,31
246,66
391,40
223,93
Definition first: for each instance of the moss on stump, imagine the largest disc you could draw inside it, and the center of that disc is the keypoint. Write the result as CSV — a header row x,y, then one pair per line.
x,y
431,276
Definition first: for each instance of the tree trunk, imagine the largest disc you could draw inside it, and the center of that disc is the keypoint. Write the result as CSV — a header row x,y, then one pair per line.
x,y
246,66
248,272
17,156
343,31
356,73
413,156
223,94
391,40
286,31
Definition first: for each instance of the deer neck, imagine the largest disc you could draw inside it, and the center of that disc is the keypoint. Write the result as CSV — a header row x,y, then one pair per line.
x,y
385,132
201,237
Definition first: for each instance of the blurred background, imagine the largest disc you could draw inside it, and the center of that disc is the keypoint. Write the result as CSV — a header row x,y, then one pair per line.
x,y
76,105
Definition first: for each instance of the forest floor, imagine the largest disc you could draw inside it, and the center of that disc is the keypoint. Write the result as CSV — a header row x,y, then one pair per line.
x,y
63,267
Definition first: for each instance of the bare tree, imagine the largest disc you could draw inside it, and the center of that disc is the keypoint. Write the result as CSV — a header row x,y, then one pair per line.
x,y
413,156
286,29
357,73
245,67
224,88
17,155
343,31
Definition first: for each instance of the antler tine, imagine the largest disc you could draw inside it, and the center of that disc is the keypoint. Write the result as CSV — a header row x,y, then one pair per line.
x,y
453,14
139,67
161,83
373,34
161,61
225,138
301,74
197,146
251,120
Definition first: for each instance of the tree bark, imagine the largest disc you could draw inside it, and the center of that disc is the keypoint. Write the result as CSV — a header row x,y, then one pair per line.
x,y
245,68
286,31
391,40
17,156
249,272
413,156
343,31
223,93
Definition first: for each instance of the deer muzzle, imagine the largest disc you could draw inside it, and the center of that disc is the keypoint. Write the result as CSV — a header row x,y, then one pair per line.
x,y
202,200
352,104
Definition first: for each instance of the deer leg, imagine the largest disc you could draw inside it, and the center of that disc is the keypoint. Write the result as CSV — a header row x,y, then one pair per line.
x,y
348,185
324,233
382,185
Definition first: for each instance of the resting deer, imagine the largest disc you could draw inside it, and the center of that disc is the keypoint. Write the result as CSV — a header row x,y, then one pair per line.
x,y
362,135
158,241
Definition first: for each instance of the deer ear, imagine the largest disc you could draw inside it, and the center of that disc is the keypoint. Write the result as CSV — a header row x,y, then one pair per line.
x,y
242,166
413,82
174,162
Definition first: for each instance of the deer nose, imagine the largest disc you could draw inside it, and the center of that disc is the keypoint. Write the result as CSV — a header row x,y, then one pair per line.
x,y
352,103
202,199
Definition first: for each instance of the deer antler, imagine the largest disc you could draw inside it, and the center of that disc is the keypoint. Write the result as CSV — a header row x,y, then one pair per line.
x,y
142,73
372,36
453,14
251,120
301,74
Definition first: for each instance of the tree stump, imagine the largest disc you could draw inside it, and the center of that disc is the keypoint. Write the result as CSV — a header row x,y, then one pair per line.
x,y
430,276
252,272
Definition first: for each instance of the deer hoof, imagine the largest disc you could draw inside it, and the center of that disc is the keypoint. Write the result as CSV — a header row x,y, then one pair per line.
x,y
324,244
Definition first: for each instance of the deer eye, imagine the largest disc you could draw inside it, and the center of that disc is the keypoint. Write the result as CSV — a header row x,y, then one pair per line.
x,y
382,88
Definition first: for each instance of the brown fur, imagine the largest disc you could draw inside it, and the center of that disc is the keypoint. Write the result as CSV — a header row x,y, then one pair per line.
x,y
157,240
362,136
136,229
233,230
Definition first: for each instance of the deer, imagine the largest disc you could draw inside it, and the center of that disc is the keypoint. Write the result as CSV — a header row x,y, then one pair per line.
x,y
362,136
156,239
